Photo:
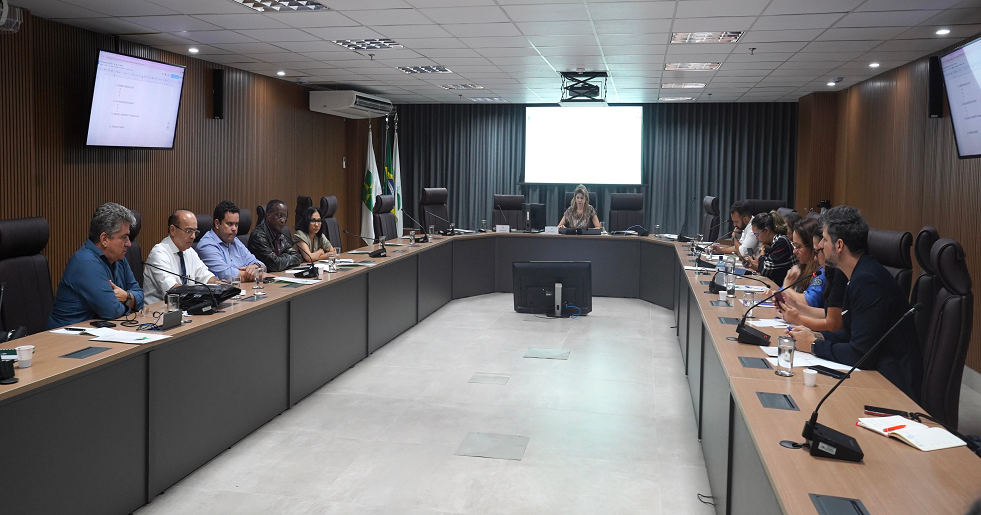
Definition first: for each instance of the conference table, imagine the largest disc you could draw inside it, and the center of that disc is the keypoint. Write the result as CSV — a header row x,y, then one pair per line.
x,y
106,433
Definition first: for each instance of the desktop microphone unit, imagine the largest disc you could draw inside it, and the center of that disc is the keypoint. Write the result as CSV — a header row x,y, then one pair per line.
x,y
501,209
681,237
425,238
378,253
312,272
190,295
753,336
447,232
714,286
824,442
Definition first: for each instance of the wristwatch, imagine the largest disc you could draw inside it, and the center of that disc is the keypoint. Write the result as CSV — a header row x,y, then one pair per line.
x,y
812,347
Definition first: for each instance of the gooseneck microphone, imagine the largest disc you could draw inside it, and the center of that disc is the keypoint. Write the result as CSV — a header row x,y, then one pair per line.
x,y
447,233
198,309
681,237
310,273
501,209
750,335
378,240
423,229
825,442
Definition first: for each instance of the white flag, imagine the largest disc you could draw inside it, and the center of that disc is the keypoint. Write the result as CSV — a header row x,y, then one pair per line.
x,y
371,188
397,171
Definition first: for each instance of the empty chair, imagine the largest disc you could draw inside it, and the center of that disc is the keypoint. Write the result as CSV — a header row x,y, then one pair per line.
x,y
568,202
134,254
764,206
927,284
433,206
205,223
27,298
260,215
384,218
626,211
709,228
891,250
949,333
508,210
244,225
302,203
330,228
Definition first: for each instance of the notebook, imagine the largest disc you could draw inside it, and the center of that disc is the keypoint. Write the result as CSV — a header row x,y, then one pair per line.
x,y
918,435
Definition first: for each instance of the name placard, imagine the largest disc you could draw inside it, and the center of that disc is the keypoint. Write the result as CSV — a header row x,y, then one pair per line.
x,y
502,228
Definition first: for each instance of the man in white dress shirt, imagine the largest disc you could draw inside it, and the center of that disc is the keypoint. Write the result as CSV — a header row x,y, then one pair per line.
x,y
174,253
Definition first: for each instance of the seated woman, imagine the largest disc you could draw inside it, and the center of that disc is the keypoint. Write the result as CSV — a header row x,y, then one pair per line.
x,y
809,291
312,244
771,231
580,214
827,318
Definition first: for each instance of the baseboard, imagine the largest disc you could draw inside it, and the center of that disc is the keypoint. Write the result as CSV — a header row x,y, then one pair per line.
x,y
972,379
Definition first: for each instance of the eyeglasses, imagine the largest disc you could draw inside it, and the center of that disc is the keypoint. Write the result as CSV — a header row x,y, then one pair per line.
x,y
188,230
798,246
316,220
283,216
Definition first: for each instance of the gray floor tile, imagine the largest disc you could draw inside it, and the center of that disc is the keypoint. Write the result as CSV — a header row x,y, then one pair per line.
x,y
342,415
540,353
493,445
483,378
180,500
383,381
440,425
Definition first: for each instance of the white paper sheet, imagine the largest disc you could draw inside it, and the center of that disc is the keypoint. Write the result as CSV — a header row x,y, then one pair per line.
x,y
296,280
805,359
769,322
131,337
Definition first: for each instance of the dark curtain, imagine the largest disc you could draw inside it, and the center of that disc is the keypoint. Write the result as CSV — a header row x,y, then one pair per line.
x,y
732,151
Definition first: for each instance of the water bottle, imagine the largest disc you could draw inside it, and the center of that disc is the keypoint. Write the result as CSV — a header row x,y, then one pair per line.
x,y
720,266
731,276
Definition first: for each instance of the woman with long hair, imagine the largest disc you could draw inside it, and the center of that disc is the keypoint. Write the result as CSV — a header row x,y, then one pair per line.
x,y
771,231
312,243
808,291
828,317
580,215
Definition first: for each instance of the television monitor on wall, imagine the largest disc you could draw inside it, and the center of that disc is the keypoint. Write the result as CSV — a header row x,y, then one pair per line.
x,y
134,103
962,77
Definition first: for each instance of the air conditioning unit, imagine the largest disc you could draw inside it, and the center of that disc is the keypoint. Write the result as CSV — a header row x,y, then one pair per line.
x,y
349,104
10,17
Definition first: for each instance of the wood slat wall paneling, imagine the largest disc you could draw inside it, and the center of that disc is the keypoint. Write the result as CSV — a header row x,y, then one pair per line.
x,y
269,145
900,167
816,149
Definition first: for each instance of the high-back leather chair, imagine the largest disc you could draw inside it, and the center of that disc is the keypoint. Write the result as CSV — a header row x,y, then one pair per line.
x,y
927,284
134,254
244,225
27,298
626,211
206,222
568,202
709,228
260,215
433,206
891,250
384,219
949,333
757,206
302,203
508,210
330,228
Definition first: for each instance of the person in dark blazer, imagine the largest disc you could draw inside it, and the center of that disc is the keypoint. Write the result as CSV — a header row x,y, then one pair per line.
x,y
873,303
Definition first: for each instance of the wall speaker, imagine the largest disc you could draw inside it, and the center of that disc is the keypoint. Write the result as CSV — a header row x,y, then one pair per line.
x,y
218,94
935,103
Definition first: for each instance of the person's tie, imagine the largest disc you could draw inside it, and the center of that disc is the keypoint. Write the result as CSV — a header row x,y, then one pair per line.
x,y
180,254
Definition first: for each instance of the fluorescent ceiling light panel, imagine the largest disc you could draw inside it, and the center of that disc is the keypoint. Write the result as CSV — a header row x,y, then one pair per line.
x,y
272,6
675,99
487,99
460,86
683,85
694,67
706,37
424,69
367,44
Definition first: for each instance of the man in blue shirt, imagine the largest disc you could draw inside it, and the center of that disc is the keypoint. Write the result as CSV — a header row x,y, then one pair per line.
x,y
98,282
220,249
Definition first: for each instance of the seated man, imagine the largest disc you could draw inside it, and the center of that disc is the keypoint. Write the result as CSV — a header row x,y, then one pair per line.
x,y
175,255
220,249
741,220
98,282
873,303
270,244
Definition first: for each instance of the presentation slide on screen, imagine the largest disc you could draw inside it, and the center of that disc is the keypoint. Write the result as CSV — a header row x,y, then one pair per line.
x,y
962,74
135,102
588,145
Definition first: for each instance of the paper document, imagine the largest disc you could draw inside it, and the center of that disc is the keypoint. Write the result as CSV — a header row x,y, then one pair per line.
x,y
296,280
921,436
71,330
340,261
746,287
806,359
699,268
350,265
359,252
131,337
769,322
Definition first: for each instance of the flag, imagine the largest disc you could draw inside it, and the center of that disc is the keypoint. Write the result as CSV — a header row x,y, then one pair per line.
x,y
397,188
371,188
389,186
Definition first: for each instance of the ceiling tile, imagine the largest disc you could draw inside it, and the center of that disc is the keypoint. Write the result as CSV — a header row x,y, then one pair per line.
x,y
114,26
634,39
388,17
517,60
956,17
885,19
701,48
556,28
56,9
707,8
773,36
346,55
929,31
905,5
311,46
554,51
350,5
712,24
840,46
759,74
210,37
825,56
496,42
332,33
480,30
282,57
860,34
253,20
203,6
631,10
123,7
811,6
432,43
173,23
203,50
555,41
229,59
796,21
435,53
783,46
400,32
277,35
508,52
551,12
157,39
250,48
633,49
746,57
633,26
766,65
630,59
482,14
449,3
313,19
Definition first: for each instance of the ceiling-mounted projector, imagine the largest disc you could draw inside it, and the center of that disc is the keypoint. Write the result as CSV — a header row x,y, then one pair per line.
x,y
582,88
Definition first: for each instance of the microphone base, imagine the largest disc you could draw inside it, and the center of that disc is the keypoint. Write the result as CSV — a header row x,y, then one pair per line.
x,y
751,336
378,253
825,442
310,273
204,308
683,239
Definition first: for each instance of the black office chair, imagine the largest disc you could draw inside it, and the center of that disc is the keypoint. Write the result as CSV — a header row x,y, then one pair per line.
x,y
27,298
709,228
134,254
568,202
205,223
891,250
244,225
627,211
433,206
260,215
757,206
508,210
330,228
927,284
949,334
384,218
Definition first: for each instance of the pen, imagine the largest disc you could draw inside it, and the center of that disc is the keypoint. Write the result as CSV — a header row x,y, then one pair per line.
x,y
886,430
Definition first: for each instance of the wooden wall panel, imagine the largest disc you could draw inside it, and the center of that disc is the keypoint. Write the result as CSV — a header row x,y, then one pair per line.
x,y
269,145
816,159
900,167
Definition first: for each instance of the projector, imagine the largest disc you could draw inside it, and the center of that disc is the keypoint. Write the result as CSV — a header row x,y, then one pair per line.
x,y
583,88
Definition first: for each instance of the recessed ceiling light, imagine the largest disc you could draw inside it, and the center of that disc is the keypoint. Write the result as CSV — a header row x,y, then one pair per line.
x,y
694,67
675,99
368,44
706,37
271,6
486,99
280,73
873,65
943,32
193,50
683,85
832,84
424,69
460,86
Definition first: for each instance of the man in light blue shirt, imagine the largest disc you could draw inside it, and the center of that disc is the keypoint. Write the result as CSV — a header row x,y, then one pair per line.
x,y
224,254
98,282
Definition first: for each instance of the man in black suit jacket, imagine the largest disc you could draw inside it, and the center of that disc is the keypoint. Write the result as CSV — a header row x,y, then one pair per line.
x,y
873,303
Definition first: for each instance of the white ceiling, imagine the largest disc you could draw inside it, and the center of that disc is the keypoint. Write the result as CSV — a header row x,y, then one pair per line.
x,y
514,48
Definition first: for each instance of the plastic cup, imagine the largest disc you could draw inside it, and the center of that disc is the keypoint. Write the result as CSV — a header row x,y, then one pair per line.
x,y
810,377
25,354
722,296
785,356
173,302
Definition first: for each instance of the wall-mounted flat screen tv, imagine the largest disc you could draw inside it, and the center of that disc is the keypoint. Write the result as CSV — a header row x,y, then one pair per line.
x,y
962,76
134,103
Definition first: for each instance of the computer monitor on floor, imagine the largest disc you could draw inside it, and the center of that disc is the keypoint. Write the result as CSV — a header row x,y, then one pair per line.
x,y
557,288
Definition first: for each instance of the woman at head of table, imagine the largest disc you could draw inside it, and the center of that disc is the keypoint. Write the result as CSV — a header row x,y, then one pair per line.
x,y
580,215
